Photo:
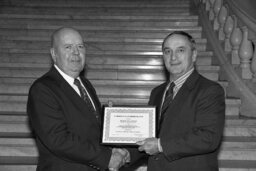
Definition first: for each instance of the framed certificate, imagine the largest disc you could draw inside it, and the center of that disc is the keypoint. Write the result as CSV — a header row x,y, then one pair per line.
x,y
127,125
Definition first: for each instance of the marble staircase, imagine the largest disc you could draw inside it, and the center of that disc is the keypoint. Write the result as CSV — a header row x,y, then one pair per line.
x,y
123,40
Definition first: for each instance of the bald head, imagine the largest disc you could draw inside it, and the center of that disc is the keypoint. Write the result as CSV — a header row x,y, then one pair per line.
x,y
57,34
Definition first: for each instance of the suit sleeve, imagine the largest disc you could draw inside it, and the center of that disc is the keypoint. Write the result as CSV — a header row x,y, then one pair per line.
x,y
205,136
48,121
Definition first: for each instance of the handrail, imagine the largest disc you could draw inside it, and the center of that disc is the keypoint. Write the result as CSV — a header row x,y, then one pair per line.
x,y
238,85
247,16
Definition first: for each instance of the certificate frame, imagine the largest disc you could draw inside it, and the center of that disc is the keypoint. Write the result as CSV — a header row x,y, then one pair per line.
x,y
127,125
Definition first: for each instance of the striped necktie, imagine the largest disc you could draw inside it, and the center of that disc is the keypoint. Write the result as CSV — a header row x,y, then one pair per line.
x,y
84,95
167,101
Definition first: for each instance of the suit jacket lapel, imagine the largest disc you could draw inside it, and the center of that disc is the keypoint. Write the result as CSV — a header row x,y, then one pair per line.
x,y
75,99
182,94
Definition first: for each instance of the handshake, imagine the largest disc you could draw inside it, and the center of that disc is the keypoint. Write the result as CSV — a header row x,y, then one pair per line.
x,y
118,158
121,156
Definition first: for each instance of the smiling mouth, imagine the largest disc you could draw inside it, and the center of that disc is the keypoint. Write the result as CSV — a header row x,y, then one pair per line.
x,y
75,60
174,64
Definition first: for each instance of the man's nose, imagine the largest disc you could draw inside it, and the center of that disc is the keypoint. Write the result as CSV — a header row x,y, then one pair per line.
x,y
75,50
173,56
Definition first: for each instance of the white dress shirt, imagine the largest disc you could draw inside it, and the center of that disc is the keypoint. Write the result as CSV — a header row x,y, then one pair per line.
x,y
70,81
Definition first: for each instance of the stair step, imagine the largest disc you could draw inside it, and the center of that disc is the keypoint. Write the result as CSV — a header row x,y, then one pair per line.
x,y
237,165
103,89
12,118
244,127
30,142
224,166
102,28
114,33
233,107
20,167
128,100
95,39
133,88
15,106
94,64
20,86
101,4
14,129
124,83
18,103
25,60
23,52
240,121
17,40
18,148
12,98
97,72
100,22
101,57
102,46
240,131
237,142
99,16
92,11
98,61
112,72
238,154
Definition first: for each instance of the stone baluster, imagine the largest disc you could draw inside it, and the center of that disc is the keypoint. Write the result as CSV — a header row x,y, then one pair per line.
x,y
211,12
235,40
253,64
228,27
216,9
245,54
207,5
222,19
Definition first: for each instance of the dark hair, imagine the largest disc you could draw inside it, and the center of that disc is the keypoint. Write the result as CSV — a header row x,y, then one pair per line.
x,y
182,33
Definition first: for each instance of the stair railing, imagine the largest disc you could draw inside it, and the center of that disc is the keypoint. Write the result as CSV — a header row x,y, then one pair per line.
x,y
232,35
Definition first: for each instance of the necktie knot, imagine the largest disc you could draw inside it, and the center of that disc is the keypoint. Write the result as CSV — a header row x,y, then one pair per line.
x,y
77,82
81,89
169,91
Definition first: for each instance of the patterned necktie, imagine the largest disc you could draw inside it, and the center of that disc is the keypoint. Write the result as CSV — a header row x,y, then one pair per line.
x,y
167,101
84,95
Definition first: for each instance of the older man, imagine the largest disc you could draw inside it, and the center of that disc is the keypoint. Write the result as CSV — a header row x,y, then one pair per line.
x,y
64,111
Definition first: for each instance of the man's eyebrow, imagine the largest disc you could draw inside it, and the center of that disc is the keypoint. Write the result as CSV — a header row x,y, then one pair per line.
x,y
181,47
73,44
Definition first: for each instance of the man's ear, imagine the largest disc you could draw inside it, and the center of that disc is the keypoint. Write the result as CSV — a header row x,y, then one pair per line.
x,y
53,54
194,55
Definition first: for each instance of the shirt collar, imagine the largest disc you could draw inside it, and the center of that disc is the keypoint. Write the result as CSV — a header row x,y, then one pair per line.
x,y
180,81
69,79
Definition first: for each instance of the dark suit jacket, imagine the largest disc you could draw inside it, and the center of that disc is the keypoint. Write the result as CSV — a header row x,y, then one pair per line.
x,y
192,129
67,134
